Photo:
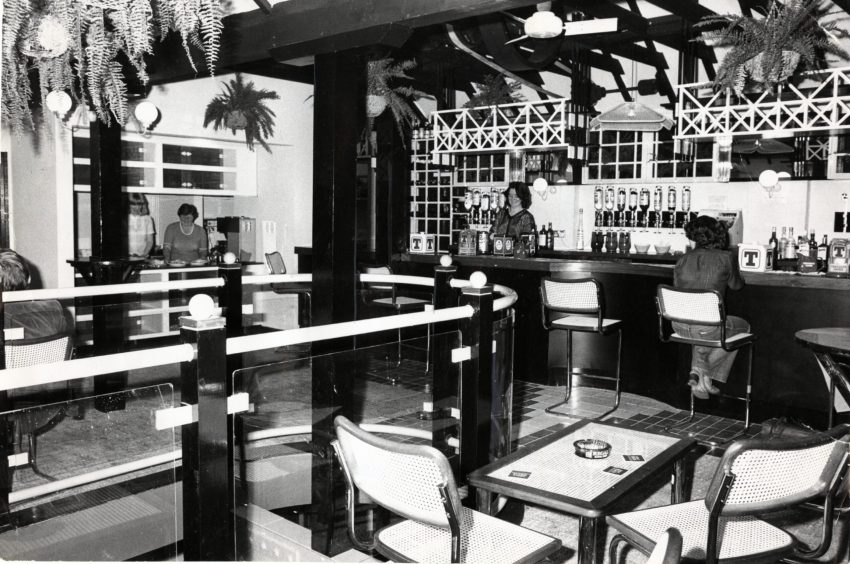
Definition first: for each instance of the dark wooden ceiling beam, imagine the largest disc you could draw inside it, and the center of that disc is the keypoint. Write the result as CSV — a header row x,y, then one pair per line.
x,y
389,35
248,37
605,9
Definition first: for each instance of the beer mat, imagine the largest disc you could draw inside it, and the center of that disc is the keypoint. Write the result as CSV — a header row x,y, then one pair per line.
x,y
633,458
615,470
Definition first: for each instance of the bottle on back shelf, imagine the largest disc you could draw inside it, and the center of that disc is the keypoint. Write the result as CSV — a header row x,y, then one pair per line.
x,y
813,245
791,245
543,238
551,237
823,253
782,243
773,244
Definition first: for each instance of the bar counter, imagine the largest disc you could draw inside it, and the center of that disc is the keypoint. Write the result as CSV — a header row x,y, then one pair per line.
x,y
786,378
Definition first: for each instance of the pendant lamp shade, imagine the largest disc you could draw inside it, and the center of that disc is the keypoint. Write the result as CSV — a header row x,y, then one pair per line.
x,y
631,116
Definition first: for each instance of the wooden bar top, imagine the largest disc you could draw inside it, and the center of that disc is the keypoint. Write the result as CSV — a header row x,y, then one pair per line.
x,y
644,265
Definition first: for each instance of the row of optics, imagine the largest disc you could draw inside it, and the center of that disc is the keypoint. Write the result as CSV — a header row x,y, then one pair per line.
x,y
60,104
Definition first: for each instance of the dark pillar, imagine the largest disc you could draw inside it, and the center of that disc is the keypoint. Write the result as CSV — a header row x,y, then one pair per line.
x,y
7,442
392,191
339,100
109,243
475,388
208,478
445,371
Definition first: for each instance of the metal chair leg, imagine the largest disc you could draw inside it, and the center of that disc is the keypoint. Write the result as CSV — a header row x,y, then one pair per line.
x,y
569,385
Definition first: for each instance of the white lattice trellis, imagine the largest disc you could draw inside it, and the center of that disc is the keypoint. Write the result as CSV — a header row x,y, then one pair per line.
x,y
543,124
820,103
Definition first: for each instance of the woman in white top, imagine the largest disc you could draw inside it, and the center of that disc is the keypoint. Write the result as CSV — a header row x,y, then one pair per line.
x,y
140,226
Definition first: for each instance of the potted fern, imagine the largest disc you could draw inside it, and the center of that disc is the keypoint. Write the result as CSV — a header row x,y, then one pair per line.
x,y
493,91
766,52
383,91
241,107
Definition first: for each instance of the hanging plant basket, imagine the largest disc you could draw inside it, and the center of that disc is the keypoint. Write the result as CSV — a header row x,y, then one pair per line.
x,y
236,120
375,105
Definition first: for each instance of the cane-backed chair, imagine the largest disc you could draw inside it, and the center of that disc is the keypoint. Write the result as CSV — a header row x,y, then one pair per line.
x,y
303,290
31,423
416,482
754,477
583,301
668,549
702,307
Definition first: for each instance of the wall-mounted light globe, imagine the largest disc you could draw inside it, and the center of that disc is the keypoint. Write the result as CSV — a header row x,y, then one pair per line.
x,y
201,306
446,260
540,185
58,102
146,112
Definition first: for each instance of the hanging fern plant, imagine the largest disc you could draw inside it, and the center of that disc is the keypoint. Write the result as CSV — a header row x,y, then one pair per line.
x,y
765,52
383,91
493,91
75,45
241,107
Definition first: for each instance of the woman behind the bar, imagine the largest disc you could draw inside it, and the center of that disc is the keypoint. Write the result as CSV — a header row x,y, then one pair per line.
x,y
515,219
139,225
709,266
184,240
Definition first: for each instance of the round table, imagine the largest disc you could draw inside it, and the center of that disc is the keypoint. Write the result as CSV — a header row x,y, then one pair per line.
x,y
826,343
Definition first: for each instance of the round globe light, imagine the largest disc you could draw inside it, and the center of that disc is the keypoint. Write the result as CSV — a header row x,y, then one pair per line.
x,y
229,258
58,102
478,279
768,178
540,185
543,25
146,112
446,260
201,306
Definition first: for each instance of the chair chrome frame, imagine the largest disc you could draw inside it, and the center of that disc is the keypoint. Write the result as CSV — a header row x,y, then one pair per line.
x,y
602,326
399,307
424,513
723,500
667,335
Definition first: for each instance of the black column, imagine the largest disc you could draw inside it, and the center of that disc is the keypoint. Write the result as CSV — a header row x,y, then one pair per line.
x,y
109,245
392,190
339,117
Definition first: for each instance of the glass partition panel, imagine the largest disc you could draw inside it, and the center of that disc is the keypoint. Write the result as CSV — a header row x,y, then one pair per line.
x,y
289,494
87,485
501,416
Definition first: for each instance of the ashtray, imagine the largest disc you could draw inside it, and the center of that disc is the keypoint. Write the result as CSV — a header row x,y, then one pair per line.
x,y
592,448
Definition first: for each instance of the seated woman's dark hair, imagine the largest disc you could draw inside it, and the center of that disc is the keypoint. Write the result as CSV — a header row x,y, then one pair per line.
x,y
522,191
707,233
188,209
14,272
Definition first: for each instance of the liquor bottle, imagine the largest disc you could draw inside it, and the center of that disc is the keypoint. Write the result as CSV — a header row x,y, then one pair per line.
x,y
813,245
644,206
823,253
790,246
579,231
671,198
597,198
773,243
543,238
551,237
485,208
783,242
476,206
686,200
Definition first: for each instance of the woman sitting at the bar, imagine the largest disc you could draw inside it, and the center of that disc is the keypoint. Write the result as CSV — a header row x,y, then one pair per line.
x,y
183,240
515,219
709,266
38,318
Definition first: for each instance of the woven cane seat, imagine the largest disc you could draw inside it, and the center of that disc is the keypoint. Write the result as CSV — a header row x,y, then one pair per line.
x,y
484,539
716,343
578,323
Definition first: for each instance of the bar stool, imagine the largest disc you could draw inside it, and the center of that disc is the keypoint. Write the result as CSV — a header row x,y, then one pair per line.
x,y
583,301
398,303
303,290
702,307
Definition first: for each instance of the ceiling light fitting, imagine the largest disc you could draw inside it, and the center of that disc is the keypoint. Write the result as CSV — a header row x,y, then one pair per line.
x,y
631,116
146,114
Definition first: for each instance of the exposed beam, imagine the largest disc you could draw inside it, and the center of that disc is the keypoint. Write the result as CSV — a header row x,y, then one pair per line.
x,y
605,9
691,10
390,35
632,52
264,5
248,37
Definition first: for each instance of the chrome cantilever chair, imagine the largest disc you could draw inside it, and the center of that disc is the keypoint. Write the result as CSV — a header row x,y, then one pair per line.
x,y
754,477
702,307
388,298
303,290
416,482
28,352
584,302
668,549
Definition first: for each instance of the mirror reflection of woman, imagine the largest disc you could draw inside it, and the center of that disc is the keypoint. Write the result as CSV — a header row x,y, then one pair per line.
x,y
184,240
515,219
